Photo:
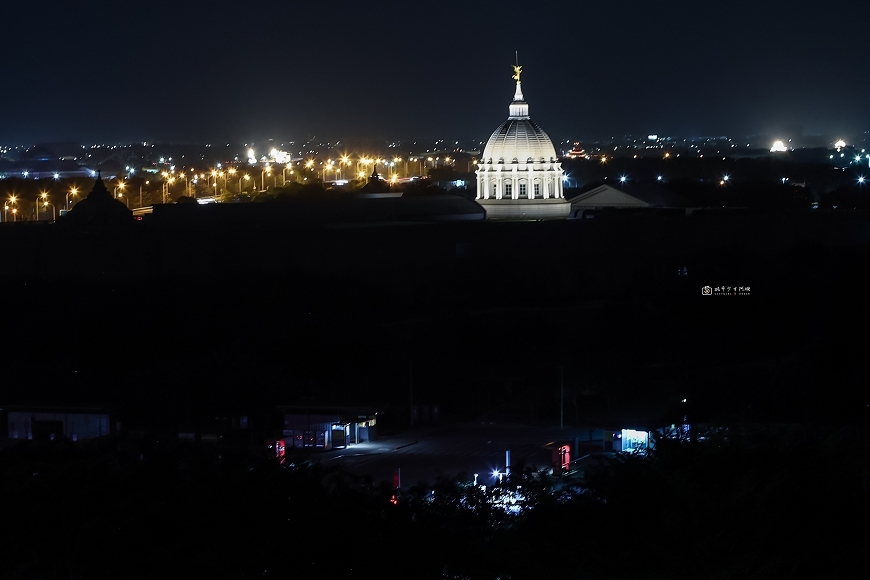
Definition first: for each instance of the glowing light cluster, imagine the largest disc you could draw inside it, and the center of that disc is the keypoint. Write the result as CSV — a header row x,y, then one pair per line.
x,y
778,147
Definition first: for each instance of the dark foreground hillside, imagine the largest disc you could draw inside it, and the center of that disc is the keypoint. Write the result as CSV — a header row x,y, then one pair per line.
x,y
769,505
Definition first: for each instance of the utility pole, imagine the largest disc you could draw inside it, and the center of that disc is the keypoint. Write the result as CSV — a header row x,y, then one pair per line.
x,y
411,389
562,400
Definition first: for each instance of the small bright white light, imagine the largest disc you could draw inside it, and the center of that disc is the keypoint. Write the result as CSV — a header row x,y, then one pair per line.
x,y
726,177
622,179
839,144
861,179
57,176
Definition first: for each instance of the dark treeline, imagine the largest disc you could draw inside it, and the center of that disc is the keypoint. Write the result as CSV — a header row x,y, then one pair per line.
x,y
188,318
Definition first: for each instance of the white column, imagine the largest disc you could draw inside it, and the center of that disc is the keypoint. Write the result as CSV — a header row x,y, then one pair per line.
x,y
515,183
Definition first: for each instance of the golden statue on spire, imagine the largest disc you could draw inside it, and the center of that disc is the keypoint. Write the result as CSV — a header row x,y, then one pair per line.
x,y
517,70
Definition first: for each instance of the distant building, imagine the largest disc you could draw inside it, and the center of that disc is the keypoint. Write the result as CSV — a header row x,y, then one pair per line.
x,y
519,175
43,423
99,210
43,169
576,152
325,427
626,197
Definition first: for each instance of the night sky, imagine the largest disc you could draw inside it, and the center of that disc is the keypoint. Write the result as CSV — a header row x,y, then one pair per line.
x,y
223,70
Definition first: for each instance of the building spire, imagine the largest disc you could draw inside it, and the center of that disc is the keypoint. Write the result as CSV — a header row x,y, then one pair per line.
x,y
518,70
518,108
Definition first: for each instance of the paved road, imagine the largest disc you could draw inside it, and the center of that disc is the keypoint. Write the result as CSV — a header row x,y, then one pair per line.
x,y
427,453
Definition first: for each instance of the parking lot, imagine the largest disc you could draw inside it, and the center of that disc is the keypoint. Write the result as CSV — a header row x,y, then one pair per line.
x,y
426,453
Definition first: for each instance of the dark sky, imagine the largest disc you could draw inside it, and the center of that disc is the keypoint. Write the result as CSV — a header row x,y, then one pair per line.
x,y
95,70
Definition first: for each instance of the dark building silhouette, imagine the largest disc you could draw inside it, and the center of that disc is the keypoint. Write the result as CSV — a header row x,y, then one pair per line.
x,y
99,210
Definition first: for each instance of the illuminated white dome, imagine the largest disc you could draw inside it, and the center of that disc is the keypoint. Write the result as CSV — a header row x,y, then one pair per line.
x,y
519,139
519,161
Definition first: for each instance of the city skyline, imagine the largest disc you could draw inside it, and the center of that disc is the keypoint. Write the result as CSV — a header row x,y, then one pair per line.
x,y
189,72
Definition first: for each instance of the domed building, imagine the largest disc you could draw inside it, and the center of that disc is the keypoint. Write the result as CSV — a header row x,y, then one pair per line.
x,y
519,174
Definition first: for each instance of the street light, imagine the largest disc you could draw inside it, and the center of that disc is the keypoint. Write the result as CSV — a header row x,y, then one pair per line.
x,y
43,196
73,191
267,169
166,188
13,201
46,203
326,168
246,177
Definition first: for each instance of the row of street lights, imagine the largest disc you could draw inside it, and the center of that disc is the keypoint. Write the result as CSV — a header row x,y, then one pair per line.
x,y
337,166
11,205
328,168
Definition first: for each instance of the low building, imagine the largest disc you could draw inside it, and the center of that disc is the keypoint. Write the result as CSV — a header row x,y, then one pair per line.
x,y
634,196
325,428
44,423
